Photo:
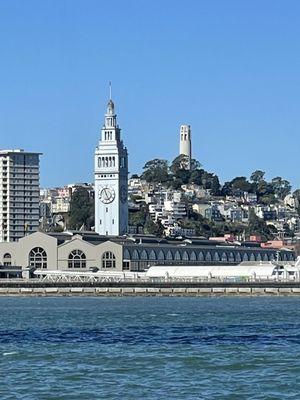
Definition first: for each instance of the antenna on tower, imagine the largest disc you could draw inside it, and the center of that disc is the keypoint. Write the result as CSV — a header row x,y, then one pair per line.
x,y
109,90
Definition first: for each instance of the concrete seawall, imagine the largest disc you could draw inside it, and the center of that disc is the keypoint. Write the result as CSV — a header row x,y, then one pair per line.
x,y
151,291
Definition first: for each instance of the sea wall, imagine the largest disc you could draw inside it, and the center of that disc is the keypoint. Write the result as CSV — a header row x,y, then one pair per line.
x,y
207,290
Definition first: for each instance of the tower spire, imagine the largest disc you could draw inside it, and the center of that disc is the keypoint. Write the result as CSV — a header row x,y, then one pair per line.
x,y
109,90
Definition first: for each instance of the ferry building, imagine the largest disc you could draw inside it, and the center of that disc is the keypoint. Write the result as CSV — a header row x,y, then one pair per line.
x,y
88,250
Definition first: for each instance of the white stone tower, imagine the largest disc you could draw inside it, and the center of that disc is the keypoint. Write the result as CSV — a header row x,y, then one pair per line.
x,y
111,178
185,146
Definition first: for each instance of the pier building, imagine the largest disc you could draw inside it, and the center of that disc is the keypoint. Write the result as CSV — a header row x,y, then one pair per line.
x,y
74,250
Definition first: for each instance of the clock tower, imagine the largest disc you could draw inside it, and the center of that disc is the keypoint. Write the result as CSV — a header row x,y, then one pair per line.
x,y
111,178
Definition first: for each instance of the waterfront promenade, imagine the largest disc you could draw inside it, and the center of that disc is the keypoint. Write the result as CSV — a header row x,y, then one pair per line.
x,y
135,289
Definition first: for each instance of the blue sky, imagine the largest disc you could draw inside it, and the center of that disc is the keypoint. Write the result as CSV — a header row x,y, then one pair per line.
x,y
230,69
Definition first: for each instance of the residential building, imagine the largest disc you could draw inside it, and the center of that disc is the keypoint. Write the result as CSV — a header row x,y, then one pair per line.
x,y
19,194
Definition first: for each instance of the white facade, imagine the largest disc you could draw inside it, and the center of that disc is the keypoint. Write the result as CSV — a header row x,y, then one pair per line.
x,y
19,194
185,146
111,179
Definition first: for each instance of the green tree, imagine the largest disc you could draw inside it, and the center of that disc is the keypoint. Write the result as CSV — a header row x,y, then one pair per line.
x,y
281,187
137,218
156,171
152,228
81,209
257,176
241,183
179,163
257,226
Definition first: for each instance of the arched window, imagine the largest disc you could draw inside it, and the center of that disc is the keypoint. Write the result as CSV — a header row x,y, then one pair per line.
x,y
161,255
99,162
238,257
135,255
7,259
108,260
258,257
177,255
193,256
152,255
266,258
185,256
169,255
126,254
216,256
252,257
231,257
208,256
224,257
144,255
245,257
38,258
77,259
200,256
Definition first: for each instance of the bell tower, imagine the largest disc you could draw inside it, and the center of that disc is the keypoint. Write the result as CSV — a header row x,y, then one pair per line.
x,y
111,178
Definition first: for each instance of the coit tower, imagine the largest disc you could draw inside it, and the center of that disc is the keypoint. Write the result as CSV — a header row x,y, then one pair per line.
x,y
185,146
111,178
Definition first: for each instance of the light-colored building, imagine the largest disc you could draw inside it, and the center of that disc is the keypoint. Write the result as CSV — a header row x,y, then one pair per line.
x,y
185,143
19,194
111,178
82,251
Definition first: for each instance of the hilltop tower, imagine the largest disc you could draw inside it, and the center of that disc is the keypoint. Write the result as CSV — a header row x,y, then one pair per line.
x,y
185,146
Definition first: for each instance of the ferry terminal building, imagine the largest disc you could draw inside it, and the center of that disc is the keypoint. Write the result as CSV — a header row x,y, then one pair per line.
x,y
73,250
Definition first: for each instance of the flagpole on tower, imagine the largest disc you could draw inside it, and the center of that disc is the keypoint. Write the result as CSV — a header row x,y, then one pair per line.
x,y
109,90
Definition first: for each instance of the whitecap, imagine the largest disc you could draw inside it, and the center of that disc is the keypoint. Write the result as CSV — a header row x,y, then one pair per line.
x,y
10,353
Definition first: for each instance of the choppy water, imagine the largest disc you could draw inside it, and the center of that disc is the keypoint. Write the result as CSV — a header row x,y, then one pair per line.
x,y
149,348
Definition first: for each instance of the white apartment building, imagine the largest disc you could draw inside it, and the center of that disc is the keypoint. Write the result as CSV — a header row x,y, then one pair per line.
x,y
19,194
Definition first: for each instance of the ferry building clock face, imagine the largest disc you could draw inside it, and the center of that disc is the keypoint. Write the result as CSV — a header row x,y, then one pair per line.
x,y
107,195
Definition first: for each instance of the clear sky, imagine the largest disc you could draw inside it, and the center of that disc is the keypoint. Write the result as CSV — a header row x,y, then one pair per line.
x,y
230,69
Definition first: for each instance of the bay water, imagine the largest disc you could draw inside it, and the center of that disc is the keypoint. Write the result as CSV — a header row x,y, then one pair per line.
x,y
149,348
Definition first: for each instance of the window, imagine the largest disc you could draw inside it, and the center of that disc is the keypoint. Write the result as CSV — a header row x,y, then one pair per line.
x,y
77,259
7,259
152,255
38,258
224,257
126,265
108,260
144,255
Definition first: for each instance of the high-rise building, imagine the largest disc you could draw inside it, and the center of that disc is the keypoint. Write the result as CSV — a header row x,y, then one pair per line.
x,y
111,176
185,144
19,194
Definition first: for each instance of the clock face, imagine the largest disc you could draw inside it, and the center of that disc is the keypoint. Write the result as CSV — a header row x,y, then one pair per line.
x,y
123,194
107,195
